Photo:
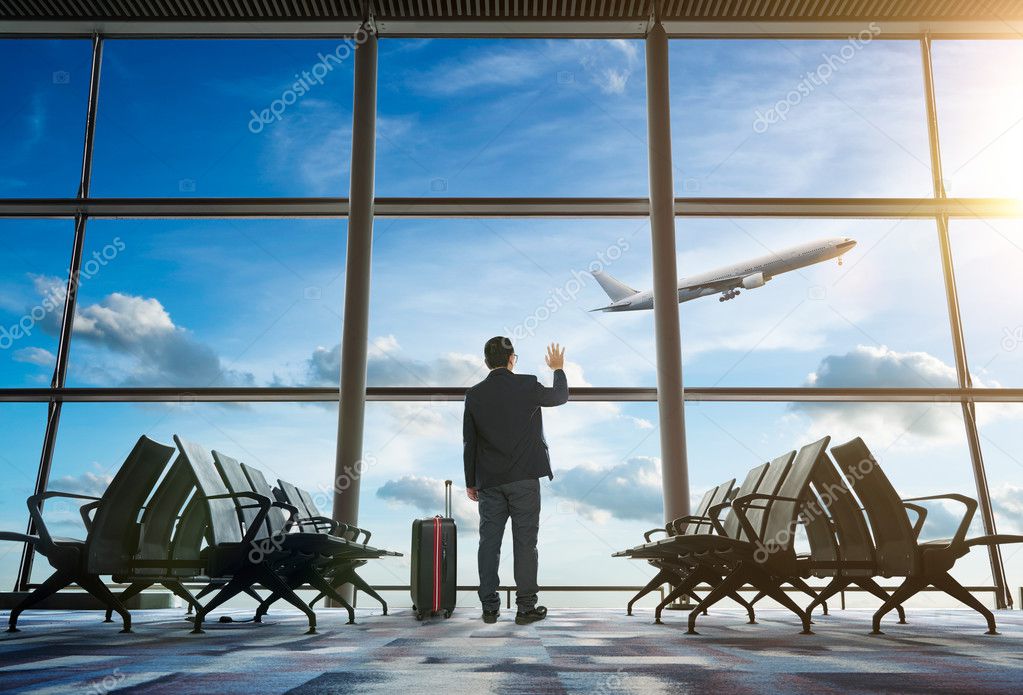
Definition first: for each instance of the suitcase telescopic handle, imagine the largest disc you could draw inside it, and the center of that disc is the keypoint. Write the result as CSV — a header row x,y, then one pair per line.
x,y
447,498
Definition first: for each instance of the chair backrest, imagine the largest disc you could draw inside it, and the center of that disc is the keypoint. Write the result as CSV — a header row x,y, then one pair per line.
x,y
193,528
713,496
779,531
850,526
224,526
114,534
764,478
161,516
276,520
236,481
894,541
294,498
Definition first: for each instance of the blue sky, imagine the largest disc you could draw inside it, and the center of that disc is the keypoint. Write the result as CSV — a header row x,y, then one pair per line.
x,y
243,302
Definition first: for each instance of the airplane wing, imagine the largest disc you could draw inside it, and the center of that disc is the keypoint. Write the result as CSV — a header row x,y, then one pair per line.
x,y
719,285
749,281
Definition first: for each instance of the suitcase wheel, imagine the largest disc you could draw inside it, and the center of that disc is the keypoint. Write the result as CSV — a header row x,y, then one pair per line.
x,y
419,615
447,614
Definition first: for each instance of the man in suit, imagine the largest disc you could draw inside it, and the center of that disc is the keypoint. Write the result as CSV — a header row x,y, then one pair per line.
x,y
505,455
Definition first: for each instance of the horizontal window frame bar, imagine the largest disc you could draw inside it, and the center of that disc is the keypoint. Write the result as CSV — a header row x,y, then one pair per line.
x,y
299,394
448,208
515,27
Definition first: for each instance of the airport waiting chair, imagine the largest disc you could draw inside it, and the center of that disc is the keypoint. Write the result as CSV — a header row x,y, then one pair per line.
x,y
341,568
841,547
232,552
765,555
899,552
680,527
672,551
112,532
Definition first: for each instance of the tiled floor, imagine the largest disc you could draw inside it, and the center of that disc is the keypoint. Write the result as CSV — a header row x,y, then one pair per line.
x,y
574,651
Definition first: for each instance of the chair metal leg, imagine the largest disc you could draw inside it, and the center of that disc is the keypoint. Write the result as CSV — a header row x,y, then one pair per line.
x,y
227,592
800,584
54,583
869,585
249,591
947,583
662,577
911,586
772,588
681,590
365,588
276,584
133,589
179,590
97,588
727,586
318,582
737,597
836,585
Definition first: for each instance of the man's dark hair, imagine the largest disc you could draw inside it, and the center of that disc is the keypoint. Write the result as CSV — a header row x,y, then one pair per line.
x,y
498,351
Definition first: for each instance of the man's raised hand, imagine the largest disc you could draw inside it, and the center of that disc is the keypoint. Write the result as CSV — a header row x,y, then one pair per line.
x,y
555,356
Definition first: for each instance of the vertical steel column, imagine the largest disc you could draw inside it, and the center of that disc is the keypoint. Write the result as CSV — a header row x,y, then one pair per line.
x,y
1003,597
671,415
70,302
355,334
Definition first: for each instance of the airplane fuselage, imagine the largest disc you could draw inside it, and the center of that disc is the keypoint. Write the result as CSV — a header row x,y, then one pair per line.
x,y
750,274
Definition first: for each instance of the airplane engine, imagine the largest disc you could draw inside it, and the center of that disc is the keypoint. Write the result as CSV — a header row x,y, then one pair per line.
x,y
751,282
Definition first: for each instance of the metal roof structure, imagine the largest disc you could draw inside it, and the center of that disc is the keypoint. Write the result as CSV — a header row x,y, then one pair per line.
x,y
512,17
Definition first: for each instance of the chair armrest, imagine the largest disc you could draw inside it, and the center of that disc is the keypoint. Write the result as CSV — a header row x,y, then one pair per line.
x,y
84,511
35,511
647,534
921,515
964,525
262,501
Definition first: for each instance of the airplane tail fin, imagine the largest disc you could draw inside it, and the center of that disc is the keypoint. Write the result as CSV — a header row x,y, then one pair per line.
x,y
615,290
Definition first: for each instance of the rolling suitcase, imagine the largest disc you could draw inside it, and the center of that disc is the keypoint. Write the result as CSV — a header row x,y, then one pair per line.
x,y
434,566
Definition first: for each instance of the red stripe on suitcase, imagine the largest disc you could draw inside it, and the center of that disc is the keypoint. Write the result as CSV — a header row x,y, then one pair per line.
x,y
436,564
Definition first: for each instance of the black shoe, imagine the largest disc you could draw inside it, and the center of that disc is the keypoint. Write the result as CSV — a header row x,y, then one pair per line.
x,y
490,616
531,616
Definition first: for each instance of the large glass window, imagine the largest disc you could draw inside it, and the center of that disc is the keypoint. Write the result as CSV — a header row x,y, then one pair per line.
x,y
527,279
979,94
23,426
465,117
799,118
42,120
877,319
33,284
988,255
210,303
224,118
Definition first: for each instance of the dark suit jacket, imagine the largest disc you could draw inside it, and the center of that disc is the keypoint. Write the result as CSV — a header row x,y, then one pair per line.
x,y
502,429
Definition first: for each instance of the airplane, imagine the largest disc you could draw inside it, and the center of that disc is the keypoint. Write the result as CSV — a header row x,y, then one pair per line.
x,y
748,275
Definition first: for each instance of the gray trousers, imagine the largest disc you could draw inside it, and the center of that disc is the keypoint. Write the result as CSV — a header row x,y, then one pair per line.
x,y
520,501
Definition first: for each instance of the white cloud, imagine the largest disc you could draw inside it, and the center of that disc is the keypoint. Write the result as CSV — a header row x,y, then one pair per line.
x,y
89,483
388,366
630,490
36,356
882,367
427,496
140,328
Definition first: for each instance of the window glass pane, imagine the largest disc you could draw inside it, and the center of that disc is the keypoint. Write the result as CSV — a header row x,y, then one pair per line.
x,y
294,441
42,121
1001,439
467,117
23,425
988,254
33,282
210,303
224,118
979,93
799,118
441,288
606,491
879,319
